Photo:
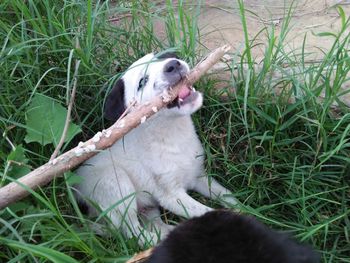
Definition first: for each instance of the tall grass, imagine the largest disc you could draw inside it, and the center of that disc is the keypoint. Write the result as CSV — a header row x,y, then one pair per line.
x,y
288,163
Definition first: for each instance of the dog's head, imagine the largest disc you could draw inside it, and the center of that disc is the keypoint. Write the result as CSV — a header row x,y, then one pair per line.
x,y
148,77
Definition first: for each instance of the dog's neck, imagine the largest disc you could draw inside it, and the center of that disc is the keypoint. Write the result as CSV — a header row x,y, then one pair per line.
x,y
165,122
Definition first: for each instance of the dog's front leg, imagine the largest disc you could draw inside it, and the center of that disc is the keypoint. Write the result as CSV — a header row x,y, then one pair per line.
x,y
210,188
180,203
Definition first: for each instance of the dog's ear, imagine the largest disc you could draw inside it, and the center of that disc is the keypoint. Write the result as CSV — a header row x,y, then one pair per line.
x,y
115,103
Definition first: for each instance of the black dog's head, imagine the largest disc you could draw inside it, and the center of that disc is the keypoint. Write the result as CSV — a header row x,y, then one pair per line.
x,y
225,237
149,76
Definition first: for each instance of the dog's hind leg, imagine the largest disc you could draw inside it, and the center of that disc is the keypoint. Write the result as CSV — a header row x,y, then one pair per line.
x,y
210,188
116,195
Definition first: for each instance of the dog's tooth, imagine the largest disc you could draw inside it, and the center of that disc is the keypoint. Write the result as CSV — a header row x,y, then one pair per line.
x,y
181,100
193,89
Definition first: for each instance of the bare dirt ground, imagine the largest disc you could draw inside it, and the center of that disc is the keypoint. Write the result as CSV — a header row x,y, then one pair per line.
x,y
220,22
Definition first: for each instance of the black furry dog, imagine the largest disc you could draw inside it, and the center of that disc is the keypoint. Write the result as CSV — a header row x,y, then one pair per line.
x,y
222,236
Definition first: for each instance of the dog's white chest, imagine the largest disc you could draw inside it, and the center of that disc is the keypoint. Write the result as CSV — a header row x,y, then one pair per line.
x,y
167,152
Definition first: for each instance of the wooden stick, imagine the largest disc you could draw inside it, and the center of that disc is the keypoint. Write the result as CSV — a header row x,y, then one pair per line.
x,y
18,189
142,256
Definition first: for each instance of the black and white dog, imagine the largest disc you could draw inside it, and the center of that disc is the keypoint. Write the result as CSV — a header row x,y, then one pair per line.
x,y
157,162
225,237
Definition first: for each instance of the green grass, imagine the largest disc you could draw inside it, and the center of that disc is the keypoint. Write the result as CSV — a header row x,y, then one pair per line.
x,y
288,163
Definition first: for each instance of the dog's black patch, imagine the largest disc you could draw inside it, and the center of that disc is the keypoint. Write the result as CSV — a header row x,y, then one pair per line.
x,y
225,237
115,103
166,55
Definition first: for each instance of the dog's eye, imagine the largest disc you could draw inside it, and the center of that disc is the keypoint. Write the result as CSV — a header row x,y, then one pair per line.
x,y
142,82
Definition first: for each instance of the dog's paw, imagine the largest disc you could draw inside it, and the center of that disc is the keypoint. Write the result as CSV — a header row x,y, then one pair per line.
x,y
146,238
230,202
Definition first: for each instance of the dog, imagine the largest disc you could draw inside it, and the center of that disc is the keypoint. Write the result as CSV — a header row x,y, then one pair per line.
x,y
156,163
225,237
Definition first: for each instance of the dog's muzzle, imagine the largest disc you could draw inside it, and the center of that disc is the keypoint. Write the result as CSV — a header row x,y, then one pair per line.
x,y
174,71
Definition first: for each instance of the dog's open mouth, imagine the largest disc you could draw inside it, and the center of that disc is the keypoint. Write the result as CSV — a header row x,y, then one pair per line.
x,y
187,94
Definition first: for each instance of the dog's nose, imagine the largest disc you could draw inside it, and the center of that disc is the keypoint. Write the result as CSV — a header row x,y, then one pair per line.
x,y
173,66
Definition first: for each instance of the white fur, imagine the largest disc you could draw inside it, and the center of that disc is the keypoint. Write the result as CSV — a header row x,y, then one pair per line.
x,y
153,165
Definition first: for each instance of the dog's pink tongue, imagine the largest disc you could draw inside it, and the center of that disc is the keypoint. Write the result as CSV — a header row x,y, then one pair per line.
x,y
184,92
